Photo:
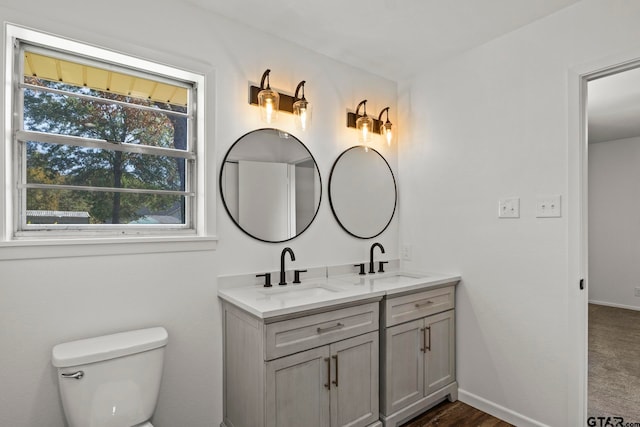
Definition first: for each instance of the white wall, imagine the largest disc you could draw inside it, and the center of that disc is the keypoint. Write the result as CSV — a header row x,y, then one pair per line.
x,y
490,123
614,225
47,301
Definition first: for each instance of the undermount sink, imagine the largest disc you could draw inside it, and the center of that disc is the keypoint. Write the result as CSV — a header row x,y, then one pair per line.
x,y
292,292
389,278
396,278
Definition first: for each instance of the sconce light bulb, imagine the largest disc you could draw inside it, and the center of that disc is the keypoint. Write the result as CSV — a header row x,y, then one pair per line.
x,y
386,130
269,110
364,124
303,118
269,103
302,110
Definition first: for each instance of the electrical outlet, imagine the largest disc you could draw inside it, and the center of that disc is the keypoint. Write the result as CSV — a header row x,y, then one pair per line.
x,y
637,292
406,252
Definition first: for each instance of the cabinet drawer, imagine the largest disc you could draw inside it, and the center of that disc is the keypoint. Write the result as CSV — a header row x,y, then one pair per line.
x,y
420,304
294,335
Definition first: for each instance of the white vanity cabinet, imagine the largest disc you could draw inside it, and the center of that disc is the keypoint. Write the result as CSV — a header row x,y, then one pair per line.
x,y
317,368
417,364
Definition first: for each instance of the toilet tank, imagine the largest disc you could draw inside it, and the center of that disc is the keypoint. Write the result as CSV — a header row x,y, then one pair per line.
x,y
112,380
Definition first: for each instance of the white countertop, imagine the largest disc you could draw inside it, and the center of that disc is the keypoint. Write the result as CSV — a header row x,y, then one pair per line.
x,y
323,292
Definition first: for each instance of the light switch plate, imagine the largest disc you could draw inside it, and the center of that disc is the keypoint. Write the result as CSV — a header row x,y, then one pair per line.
x,y
509,207
549,207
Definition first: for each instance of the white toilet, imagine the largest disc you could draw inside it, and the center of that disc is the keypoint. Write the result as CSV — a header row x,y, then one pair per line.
x,y
112,380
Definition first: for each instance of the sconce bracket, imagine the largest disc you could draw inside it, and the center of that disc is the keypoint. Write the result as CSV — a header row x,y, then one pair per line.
x,y
286,101
352,117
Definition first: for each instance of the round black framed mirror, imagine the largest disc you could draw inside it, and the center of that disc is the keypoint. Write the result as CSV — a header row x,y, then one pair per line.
x,y
362,192
270,185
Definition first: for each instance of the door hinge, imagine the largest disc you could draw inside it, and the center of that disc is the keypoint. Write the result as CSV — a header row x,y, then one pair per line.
x,y
581,284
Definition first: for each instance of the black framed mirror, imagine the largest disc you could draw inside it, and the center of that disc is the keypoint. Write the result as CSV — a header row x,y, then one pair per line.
x,y
270,185
362,192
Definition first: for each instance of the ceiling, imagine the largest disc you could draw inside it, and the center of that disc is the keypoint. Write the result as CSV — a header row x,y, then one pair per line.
x,y
392,38
613,106
397,39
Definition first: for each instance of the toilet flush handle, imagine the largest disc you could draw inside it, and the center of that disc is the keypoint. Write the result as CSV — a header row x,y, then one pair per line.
x,y
75,375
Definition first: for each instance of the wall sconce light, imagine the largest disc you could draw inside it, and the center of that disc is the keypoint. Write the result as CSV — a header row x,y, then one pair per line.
x,y
271,101
366,125
363,123
302,109
385,128
268,100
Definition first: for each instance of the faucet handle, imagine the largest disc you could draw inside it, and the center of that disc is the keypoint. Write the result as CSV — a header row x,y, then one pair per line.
x,y
267,279
361,265
381,266
296,275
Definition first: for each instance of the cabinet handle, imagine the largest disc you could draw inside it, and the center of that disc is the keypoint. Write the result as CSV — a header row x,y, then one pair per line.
x,y
428,347
424,340
422,304
330,328
328,384
335,357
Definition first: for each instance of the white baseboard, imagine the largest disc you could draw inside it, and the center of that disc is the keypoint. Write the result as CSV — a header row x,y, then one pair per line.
x,y
613,304
496,410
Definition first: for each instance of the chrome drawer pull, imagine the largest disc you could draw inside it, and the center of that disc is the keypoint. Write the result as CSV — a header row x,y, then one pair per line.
x,y
422,304
75,375
330,328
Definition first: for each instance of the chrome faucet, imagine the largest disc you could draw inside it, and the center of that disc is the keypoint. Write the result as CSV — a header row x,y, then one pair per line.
x,y
371,267
282,270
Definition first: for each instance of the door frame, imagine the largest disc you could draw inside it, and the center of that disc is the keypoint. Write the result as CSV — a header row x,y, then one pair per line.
x,y
578,224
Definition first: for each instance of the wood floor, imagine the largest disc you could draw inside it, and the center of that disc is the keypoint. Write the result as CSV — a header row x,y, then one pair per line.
x,y
614,365
456,414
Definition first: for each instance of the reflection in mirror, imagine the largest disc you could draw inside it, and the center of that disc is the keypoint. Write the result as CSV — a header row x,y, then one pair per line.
x,y
362,192
270,185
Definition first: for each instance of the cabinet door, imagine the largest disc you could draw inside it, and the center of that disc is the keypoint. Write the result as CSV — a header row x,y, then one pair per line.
x,y
440,355
297,390
354,386
403,381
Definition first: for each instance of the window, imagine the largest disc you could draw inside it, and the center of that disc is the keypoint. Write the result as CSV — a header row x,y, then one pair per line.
x,y
101,143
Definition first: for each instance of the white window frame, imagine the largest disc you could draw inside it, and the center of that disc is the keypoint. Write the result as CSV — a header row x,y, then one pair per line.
x,y
11,232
